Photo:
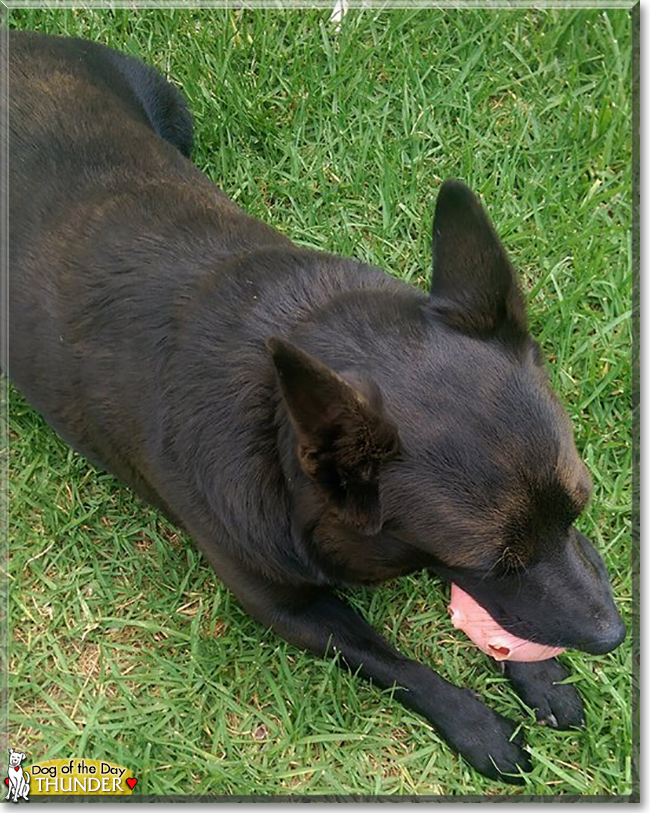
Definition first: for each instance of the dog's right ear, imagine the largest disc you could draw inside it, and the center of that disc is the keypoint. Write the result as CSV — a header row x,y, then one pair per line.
x,y
343,436
474,288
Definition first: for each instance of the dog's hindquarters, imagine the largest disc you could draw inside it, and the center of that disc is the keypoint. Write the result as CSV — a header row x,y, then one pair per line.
x,y
59,62
164,104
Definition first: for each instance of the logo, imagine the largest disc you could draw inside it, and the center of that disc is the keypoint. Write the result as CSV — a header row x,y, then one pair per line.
x,y
67,777
18,779
81,777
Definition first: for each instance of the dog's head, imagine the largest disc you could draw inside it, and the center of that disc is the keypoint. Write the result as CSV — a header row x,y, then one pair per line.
x,y
435,440
15,758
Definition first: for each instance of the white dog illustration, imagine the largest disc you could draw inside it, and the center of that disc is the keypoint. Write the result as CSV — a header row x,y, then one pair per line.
x,y
18,779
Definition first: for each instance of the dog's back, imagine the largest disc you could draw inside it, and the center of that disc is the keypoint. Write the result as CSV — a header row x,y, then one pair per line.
x,y
69,184
107,222
89,229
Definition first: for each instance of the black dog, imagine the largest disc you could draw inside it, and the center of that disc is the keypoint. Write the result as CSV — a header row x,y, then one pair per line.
x,y
310,421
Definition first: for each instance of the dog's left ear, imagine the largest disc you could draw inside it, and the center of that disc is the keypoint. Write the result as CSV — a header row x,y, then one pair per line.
x,y
343,436
474,288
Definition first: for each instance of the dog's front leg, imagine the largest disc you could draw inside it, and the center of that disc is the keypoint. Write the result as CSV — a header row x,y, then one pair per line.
x,y
321,623
557,705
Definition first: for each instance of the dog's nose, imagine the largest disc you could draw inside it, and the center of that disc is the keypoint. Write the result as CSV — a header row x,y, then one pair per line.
x,y
608,639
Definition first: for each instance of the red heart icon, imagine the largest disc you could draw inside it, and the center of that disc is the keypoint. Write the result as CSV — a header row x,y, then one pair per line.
x,y
6,781
132,782
16,768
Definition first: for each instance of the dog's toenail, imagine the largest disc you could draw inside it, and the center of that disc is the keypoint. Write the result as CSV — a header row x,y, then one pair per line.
x,y
550,720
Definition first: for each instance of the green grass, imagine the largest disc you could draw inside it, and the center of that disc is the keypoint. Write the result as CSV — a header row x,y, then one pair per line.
x,y
124,645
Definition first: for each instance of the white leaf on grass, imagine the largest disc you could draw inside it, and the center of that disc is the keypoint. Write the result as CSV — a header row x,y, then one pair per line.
x,y
338,12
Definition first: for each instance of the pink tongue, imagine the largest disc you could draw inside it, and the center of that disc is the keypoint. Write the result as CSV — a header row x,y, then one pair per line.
x,y
488,636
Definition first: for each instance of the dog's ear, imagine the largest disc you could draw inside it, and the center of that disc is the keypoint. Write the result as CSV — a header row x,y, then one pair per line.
x,y
474,288
343,436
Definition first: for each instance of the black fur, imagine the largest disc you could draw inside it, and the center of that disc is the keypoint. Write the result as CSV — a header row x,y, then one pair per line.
x,y
309,420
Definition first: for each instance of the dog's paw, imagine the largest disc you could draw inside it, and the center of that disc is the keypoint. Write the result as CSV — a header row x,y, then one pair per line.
x,y
488,741
557,706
